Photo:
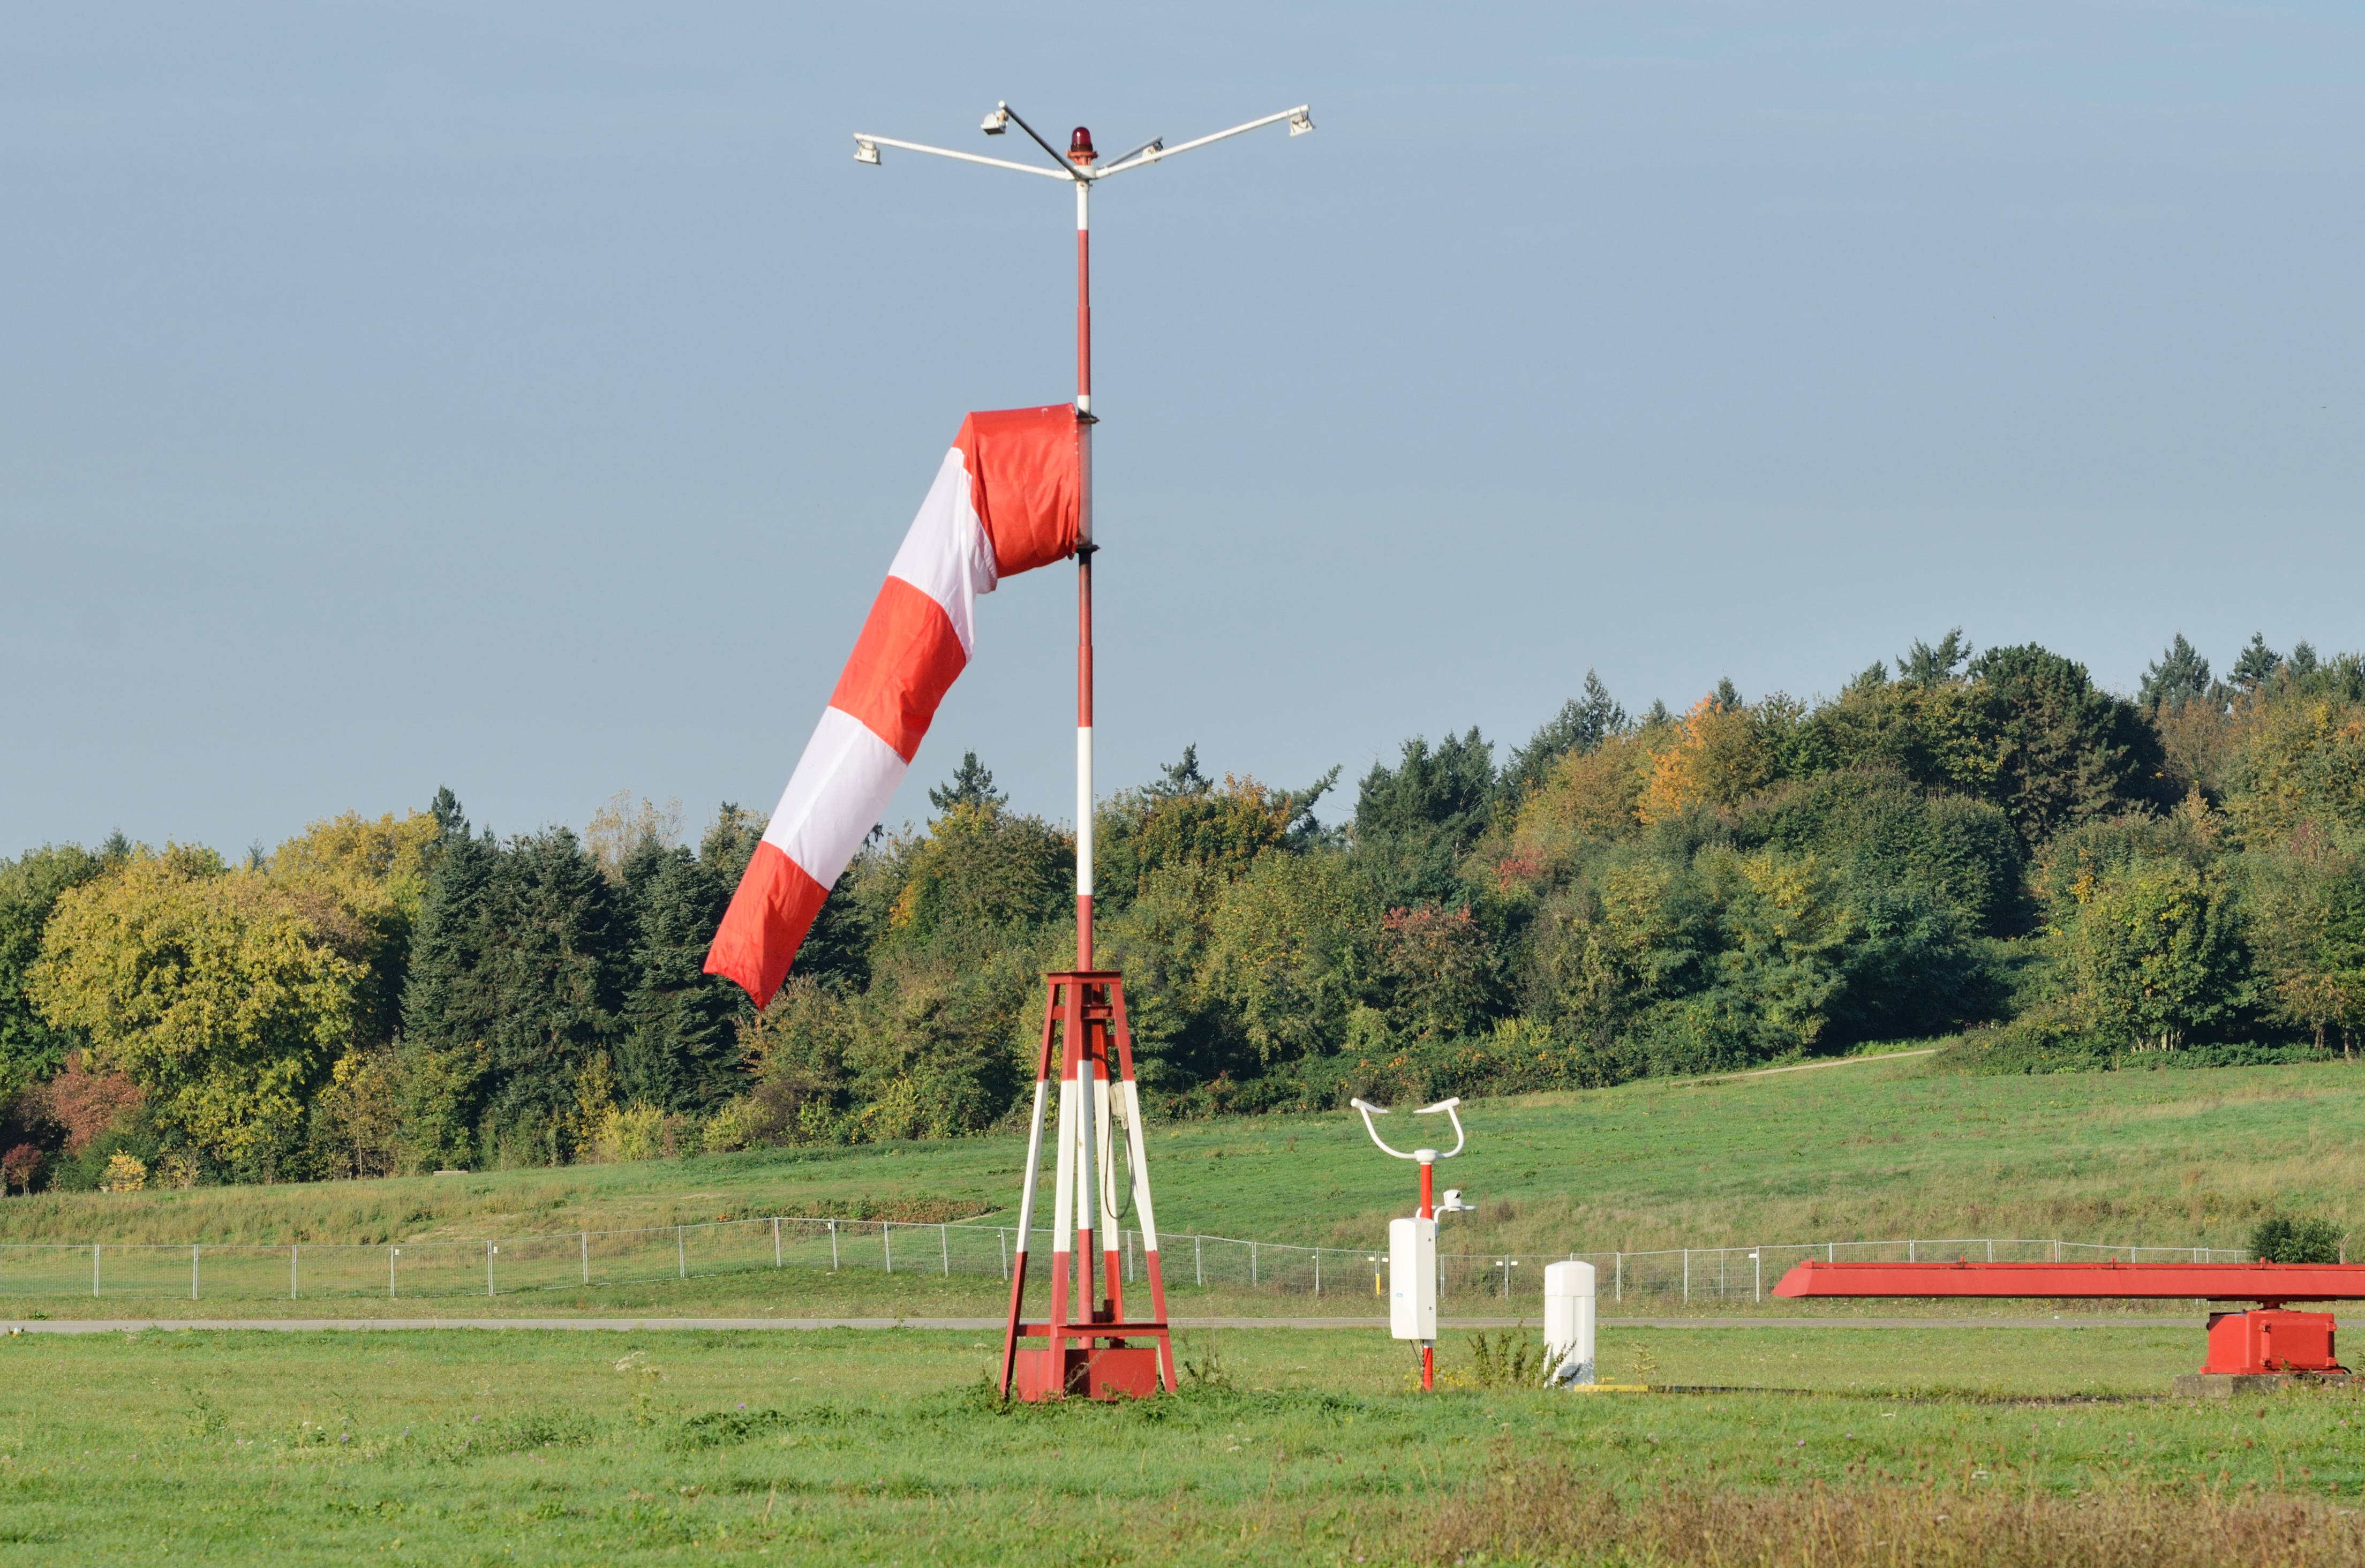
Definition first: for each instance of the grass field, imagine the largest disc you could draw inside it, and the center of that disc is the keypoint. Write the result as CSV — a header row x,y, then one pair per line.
x,y
1830,1445
1880,1149
1298,1446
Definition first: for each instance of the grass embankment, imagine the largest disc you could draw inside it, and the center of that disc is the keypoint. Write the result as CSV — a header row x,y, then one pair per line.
x,y
849,1447
1883,1149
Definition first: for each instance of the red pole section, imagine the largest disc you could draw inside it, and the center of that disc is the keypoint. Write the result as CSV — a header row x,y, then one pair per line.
x,y
2270,1283
1428,1210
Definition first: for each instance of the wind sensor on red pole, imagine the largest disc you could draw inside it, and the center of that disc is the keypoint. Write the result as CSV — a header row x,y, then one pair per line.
x,y
1083,1014
1412,1243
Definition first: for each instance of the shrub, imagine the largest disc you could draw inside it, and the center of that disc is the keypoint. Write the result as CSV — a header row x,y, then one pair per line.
x,y
2280,1239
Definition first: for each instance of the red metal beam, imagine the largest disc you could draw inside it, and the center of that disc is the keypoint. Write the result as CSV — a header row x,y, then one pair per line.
x,y
2270,1283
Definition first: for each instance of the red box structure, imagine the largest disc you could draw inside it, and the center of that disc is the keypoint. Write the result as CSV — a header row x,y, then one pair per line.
x,y
2252,1344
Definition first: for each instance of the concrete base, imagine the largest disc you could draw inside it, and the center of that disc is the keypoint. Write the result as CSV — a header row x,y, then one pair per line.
x,y
2224,1385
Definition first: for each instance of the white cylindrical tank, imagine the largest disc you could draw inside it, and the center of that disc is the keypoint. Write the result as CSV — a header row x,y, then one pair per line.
x,y
1568,1322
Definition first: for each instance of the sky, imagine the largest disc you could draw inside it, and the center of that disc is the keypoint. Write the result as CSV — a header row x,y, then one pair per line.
x,y
528,398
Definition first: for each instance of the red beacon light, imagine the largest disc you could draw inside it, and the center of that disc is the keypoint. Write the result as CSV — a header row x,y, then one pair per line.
x,y
1079,148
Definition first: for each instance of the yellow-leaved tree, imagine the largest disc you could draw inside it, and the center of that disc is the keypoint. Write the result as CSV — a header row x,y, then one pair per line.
x,y
1717,756
210,989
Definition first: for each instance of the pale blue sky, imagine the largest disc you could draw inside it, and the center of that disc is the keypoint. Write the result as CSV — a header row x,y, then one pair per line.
x,y
529,398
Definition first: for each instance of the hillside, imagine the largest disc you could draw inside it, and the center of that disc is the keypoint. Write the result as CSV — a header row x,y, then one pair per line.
x,y
1882,1149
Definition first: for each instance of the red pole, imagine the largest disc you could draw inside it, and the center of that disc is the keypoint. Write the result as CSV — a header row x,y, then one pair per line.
x,y
1428,1211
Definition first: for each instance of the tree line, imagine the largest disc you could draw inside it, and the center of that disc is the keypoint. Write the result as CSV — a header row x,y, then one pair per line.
x,y
1985,846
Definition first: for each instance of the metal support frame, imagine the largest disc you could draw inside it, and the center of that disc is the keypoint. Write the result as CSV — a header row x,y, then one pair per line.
x,y
1083,1337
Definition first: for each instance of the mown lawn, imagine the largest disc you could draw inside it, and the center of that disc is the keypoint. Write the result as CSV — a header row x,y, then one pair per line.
x,y
841,1445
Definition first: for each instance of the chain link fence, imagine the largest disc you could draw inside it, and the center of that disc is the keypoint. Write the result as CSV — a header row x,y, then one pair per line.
x,y
574,1260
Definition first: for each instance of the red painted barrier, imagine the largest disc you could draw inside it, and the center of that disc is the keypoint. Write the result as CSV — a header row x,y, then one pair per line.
x,y
2270,1284
2246,1344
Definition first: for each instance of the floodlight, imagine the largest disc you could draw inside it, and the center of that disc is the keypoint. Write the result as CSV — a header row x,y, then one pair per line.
x,y
998,121
865,151
1300,122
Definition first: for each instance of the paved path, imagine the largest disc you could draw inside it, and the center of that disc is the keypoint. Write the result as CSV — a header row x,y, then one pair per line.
x,y
1835,1061
978,1325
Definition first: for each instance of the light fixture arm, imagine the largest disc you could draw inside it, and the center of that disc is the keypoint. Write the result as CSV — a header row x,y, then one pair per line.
x,y
863,140
1066,169
1300,119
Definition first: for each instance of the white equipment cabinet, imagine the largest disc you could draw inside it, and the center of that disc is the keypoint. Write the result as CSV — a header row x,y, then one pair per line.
x,y
1568,1322
1412,1279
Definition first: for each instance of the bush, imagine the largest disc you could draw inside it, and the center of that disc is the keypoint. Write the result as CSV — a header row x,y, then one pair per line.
x,y
2279,1239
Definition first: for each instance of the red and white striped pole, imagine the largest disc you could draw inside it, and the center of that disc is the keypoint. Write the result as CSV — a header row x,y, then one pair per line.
x,y
1079,153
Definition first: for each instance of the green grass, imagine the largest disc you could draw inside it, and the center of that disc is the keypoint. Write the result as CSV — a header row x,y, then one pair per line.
x,y
1884,1150
844,1447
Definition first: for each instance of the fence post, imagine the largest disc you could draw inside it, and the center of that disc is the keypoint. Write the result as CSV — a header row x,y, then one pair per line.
x,y
887,1244
832,1246
1618,1262
192,1271
1990,1248
391,1254
1757,1271
587,1257
1688,1276
291,1274
681,1254
1253,1266
1831,1251
2056,1251
1199,1261
1003,1236
489,1251
944,1239
94,1268
775,1241
1317,1271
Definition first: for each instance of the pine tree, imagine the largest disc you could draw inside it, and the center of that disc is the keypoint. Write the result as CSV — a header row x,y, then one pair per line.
x,y
1580,727
970,785
2257,665
2178,675
1922,665
1414,821
677,1047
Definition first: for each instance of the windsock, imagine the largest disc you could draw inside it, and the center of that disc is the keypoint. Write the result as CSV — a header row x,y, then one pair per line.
x,y
1006,502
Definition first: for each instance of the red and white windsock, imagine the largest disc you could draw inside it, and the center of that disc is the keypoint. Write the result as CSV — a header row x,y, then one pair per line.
x,y
1006,502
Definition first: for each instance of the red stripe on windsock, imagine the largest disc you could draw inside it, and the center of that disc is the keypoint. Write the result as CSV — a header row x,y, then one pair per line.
x,y
766,923
1024,483
903,663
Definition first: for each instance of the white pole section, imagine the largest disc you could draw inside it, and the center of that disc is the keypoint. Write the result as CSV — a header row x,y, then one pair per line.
x,y
291,1274
586,1251
192,1271
1026,1183
775,1241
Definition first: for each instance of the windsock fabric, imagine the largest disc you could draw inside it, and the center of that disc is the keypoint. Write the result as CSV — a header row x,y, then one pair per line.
x,y
1004,501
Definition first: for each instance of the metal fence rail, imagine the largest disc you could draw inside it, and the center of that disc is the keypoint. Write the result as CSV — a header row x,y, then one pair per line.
x,y
577,1260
